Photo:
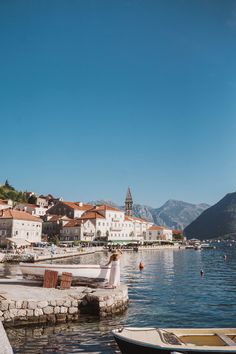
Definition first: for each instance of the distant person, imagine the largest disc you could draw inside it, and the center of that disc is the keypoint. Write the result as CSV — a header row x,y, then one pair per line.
x,y
114,260
202,273
225,257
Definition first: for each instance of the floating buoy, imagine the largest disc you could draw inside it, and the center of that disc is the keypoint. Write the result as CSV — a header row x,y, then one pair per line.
x,y
141,265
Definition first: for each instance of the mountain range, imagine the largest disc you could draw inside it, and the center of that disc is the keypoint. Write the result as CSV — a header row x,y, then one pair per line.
x,y
174,213
218,221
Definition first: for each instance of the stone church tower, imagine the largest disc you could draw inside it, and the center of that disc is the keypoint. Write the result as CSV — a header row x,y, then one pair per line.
x,y
128,204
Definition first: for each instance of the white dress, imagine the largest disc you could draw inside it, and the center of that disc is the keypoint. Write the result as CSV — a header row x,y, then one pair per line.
x,y
114,279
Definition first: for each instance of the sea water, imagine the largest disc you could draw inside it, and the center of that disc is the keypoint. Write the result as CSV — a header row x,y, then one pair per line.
x,y
169,292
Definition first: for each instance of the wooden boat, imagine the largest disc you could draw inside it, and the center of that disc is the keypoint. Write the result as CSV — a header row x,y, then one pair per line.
x,y
175,341
82,274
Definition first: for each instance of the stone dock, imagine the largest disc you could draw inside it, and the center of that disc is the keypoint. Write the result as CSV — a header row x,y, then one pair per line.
x,y
25,305
5,345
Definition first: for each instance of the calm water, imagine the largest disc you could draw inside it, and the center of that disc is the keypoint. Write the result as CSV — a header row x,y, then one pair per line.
x,y
168,292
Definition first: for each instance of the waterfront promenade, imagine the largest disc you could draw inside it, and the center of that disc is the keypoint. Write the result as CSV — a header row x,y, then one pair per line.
x,y
44,254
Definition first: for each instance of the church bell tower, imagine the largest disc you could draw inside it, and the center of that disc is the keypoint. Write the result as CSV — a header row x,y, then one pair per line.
x,y
128,203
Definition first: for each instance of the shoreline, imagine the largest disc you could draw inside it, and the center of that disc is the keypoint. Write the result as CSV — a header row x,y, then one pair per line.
x,y
17,258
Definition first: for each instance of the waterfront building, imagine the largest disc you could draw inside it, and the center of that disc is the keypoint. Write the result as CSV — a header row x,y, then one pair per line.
x,y
33,209
140,227
178,235
159,233
107,225
53,224
70,209
78,230
128,203
19,226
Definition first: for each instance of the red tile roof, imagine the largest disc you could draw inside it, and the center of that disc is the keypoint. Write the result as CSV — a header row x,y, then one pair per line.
x,y
18,215
73,223
91,215
156,228
177,232
104,207
78,205
139,219
134,218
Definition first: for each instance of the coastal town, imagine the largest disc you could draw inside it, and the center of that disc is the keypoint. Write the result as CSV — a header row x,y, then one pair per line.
x,y
69,223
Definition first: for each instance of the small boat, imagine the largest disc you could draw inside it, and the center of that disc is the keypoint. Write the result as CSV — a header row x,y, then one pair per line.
x,y
82,274
175,341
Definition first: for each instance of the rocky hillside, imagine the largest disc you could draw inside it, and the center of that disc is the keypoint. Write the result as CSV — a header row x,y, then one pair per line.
x,y
174,214
219,221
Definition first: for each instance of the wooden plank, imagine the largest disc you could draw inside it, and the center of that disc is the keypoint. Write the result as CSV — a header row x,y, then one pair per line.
x,y
66,280
50,278
226,339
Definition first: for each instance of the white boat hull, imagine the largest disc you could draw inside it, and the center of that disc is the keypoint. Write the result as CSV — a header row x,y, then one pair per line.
x,y
81,273
172,341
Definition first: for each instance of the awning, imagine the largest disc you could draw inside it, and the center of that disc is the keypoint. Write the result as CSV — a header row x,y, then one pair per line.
x,y
18,242
118,242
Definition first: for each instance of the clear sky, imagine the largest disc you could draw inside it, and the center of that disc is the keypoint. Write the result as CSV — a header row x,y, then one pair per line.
x,y
96,96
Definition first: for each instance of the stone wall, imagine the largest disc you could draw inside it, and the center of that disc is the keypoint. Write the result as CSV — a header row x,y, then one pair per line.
x,y
100,302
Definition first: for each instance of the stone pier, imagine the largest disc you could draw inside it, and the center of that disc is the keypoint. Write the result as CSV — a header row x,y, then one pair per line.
x,y
5,345
23,305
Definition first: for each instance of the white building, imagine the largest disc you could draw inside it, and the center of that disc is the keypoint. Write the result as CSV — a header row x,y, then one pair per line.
x,y
32,209
17,225
158,233
107,224
78,230
113,226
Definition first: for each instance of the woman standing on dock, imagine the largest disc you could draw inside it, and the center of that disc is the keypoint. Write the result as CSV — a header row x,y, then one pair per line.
x,y
114,260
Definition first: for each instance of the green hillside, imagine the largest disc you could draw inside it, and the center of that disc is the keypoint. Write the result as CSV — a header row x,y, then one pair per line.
x,y
9,192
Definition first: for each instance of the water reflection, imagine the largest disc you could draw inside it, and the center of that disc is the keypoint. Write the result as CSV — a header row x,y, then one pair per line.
x,y
169,291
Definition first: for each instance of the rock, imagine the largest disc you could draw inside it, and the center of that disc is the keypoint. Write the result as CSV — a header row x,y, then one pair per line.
x,y
48,310
64,309
73,310
19,304
32,305
4,305
38,312
42,304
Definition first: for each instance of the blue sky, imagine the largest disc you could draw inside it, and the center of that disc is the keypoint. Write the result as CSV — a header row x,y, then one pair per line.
x,y
96,96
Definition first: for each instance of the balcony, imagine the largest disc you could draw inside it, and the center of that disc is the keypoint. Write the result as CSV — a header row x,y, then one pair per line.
x,y
115,228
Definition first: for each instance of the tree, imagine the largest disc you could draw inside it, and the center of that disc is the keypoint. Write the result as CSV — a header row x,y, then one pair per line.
x,y
32,199
7,185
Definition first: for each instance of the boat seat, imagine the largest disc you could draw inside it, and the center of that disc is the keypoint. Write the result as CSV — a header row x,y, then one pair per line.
x,y
226,339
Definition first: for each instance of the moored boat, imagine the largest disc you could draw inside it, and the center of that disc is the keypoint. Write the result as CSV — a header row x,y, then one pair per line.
x,y
175,341
81,273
